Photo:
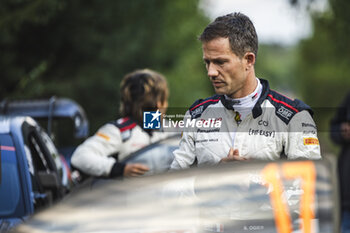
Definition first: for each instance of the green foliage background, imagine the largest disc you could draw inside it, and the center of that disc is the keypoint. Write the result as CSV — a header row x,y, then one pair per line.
x,y
323,66
317,69
81,49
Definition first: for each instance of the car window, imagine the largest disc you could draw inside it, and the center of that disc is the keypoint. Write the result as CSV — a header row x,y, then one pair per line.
x,y
40,162
157,157
51,148
41,148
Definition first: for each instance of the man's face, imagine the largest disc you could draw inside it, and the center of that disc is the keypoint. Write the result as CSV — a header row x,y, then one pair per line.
x,y
227,72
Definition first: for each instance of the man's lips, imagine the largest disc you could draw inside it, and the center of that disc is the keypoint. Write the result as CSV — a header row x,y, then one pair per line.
x,y
218,84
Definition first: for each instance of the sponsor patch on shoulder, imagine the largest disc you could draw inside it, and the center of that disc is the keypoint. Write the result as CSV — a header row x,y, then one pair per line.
x,y
284,112
198,111
104,136
311,141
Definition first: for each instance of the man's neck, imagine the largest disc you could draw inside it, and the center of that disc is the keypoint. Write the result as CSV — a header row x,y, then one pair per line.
x,y
249,87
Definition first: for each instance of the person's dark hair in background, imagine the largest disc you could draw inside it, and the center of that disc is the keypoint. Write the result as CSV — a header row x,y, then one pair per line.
x,y
142,90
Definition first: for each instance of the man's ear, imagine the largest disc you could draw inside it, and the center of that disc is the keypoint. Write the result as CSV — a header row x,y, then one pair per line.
x,y
249,57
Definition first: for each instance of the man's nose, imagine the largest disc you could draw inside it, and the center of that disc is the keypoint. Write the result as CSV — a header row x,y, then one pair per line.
x,y
212,71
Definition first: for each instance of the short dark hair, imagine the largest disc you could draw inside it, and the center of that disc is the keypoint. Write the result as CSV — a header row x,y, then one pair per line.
x,y
140,91
238,28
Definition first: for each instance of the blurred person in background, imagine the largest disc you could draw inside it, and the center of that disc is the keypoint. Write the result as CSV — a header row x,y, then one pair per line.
x,y
340,134
141,90
256,122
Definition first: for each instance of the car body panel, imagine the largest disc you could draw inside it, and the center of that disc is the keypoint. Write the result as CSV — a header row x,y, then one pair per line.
x,y
234,197
16,163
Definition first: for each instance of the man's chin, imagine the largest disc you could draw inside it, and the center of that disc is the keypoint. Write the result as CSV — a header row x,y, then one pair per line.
x,y
219,91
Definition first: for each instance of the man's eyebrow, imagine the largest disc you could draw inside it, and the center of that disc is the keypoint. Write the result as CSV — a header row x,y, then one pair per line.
x,y
220,59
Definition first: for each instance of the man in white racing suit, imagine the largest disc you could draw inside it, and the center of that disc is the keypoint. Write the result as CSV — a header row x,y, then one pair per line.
x,y
141,90
246,119
276,127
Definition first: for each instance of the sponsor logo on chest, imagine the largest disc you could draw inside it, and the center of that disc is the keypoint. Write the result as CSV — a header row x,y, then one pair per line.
x,y
260,132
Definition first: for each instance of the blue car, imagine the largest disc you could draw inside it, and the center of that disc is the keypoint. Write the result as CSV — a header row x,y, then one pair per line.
x,y
32,173
64,119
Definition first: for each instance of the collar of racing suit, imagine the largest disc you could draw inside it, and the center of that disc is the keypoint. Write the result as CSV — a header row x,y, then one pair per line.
x,y
257,111
127,123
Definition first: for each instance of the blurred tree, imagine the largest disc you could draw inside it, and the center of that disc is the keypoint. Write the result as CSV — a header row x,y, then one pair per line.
x,y
277,64
81,49
324,62
324,58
